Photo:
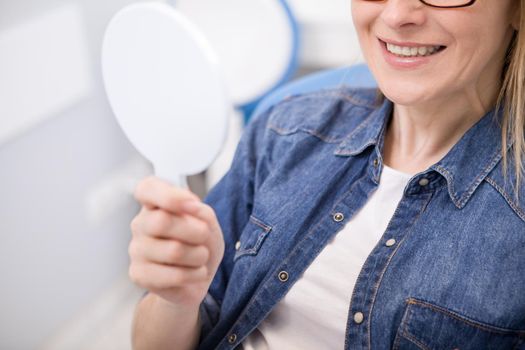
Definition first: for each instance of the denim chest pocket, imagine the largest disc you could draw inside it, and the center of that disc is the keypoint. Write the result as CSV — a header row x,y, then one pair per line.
x,y
252,238
427,326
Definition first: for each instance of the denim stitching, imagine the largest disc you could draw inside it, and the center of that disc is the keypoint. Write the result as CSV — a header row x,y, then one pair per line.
x,y
261,224
378,140
464,319
513,205
496,157
285,132
363,125
349,98
410,338
251,251
450,184
258,243
339,93
403,328
296,129
352,135
377,285
406,315
460,202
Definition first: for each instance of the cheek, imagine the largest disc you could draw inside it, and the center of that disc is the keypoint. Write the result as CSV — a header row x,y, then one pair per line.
x,y
478,33
363,17
478,49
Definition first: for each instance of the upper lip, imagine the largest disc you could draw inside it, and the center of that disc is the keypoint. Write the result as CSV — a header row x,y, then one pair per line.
x,y
406,43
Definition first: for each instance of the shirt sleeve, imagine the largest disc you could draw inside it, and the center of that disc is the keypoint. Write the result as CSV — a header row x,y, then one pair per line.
x,y
232,199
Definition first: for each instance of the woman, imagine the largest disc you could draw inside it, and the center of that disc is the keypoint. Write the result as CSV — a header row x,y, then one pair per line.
x,y
356,223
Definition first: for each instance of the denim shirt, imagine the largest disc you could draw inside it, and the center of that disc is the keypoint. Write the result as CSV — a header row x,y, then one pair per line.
x,y
455,277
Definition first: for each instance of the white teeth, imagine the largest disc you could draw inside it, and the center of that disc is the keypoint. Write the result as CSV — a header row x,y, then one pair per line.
x,y
411,51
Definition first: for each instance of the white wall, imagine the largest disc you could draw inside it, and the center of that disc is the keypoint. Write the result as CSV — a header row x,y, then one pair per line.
x,y
327,32
55,257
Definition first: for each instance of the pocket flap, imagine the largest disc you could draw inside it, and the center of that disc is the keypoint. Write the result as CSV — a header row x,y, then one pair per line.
x,y
252,237
427,326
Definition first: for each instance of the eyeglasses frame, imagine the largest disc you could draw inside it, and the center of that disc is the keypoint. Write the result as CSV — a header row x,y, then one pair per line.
x,y
470,3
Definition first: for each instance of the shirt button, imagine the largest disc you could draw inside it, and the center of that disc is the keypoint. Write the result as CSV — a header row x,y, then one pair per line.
x,y
376,163
338,217
237,245
390,242
359,317
423,182
283,276
232,338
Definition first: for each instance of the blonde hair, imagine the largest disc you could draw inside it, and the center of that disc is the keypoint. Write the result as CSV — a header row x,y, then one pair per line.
x,y
512,97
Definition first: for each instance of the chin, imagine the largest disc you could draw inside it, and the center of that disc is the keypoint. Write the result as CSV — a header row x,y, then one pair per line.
x,y
404,93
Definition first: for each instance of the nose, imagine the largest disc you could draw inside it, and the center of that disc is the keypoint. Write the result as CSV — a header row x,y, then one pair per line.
x,y
403,13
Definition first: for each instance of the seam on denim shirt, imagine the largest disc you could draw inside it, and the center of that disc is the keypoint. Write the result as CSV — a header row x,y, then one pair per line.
x,y
352,135
258,243
336,92
329,139
505,195
402,333
260,223
450,185
361,126
413,340
360,275
283,132
467,320
399,330
460,202
375,287
483,174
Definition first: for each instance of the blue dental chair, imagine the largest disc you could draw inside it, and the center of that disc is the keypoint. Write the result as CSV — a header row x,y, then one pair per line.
x,y
355,76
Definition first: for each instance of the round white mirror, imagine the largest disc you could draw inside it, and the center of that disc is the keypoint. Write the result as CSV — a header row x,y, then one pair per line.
x,y
166,89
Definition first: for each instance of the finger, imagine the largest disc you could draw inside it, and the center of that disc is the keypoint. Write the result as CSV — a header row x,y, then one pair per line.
x,y
203,212
157,276
153,192
162,224
169,252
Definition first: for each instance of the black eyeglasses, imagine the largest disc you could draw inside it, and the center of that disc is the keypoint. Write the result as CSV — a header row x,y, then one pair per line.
x,y
444,4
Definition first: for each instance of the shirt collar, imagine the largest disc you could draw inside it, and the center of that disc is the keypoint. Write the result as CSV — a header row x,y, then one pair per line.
x,y
464,167
369,132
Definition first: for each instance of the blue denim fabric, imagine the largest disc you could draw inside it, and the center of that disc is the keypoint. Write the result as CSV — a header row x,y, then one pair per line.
x,y
455,277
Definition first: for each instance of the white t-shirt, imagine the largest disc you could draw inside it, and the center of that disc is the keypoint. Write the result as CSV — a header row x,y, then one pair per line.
x,y
314,312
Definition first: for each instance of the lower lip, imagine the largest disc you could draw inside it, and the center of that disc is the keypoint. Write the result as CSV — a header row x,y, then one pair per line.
x,y
405,62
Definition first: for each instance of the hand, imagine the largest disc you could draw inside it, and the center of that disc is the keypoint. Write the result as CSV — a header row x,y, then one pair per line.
x,y
176,245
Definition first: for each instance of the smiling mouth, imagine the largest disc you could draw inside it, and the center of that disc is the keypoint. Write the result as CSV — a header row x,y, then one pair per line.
x,y
412,51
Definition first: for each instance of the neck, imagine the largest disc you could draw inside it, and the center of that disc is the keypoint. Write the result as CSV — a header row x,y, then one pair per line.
x,y
419,136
